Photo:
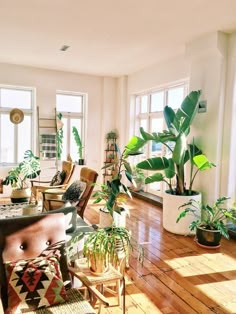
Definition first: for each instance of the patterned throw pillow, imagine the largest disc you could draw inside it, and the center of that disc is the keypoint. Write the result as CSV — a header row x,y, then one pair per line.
x,y
74,191
34,283
58,178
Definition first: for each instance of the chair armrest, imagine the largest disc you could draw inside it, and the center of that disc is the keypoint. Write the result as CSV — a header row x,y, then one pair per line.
x,y
38,181
80,275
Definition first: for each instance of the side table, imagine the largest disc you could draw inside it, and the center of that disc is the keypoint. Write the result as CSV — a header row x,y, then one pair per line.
x,y
84,274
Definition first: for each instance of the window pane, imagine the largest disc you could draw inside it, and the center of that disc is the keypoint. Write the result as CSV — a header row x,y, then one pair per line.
x,y
143,124
13,98
175,97
69,103
24,137
156,126
144,104
7,145
157,102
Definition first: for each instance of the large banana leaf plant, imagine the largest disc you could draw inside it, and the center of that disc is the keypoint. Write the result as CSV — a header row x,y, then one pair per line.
x,y
179,152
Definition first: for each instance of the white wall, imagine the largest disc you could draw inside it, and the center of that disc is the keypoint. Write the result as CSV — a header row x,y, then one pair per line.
x,y
101,101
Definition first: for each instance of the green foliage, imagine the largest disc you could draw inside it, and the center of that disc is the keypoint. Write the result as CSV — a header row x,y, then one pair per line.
x,y
212,217
78,142
29,168
179,151
111,135
104,242
59,139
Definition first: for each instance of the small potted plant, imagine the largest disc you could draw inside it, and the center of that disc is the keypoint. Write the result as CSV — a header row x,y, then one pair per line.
x,y
78,142
211,225
138,179
18,176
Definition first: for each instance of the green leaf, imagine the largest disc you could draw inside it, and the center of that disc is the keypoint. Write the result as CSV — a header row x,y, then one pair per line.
x,y
146,136
157,177
202,162
180,149
170,118
156,163
170,171
134,145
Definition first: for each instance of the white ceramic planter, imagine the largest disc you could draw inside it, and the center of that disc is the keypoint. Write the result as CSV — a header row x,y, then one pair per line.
x,y
171,212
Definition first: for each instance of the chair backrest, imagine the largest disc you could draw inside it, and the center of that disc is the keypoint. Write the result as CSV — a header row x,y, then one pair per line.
x,y
68,167
27,237
89,176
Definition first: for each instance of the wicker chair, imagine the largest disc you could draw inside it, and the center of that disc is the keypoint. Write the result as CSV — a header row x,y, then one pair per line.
x,y
26,237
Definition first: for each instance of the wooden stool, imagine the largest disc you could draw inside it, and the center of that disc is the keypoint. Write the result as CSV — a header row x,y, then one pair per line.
x,y
100,282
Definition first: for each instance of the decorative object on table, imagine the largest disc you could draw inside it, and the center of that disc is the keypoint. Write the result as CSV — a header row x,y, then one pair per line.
x,y
211,224
79,144
16,116
172,167
18,177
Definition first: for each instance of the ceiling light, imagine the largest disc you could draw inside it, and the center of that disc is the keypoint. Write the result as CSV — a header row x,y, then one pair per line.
x,y
64,48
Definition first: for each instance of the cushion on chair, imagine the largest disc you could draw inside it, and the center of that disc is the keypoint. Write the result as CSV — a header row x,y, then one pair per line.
x,y
34,283
58,178
75,191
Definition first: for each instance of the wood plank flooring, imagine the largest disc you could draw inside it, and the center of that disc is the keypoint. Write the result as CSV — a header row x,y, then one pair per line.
x,y
177,276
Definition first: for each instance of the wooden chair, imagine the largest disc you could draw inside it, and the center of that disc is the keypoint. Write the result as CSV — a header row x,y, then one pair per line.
x,y
52,198
26,237
38,186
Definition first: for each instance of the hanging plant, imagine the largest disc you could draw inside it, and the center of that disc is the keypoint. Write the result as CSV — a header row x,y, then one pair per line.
x,y
59,138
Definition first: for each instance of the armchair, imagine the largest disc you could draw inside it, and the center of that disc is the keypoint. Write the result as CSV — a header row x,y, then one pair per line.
x,y
31,242
38,186
51,198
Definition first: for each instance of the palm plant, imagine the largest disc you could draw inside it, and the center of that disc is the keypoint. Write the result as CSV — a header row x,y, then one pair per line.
x,y
78,141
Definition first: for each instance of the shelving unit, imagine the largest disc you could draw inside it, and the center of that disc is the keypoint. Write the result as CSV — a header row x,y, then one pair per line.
x,y
47,137
110,155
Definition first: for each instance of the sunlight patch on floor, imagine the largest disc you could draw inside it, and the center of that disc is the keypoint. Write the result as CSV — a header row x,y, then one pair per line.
x,y
202,264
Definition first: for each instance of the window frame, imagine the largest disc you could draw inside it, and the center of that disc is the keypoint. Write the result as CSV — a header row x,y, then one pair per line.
x,y
27,112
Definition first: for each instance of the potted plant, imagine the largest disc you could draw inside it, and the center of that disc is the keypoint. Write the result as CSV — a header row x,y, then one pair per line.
x,y
78,142
210,225
106,245
59,138
138,179
17,177
111,241
172,167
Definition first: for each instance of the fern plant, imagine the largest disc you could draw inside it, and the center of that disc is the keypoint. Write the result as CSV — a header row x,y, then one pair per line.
x,y
78,142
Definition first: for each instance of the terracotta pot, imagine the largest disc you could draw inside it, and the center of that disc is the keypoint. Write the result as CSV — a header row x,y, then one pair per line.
x,y
98,263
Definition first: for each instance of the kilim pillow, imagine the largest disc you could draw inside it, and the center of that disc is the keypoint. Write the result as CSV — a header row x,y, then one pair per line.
x,y
34,283
58,178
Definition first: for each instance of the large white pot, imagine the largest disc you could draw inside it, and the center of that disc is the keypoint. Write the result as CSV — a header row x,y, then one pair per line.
x,y
171,203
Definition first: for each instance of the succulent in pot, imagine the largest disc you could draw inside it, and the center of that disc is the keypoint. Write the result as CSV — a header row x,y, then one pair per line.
x,y
211,224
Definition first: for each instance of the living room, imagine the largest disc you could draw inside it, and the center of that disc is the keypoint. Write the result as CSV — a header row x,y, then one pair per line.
x,y
204,59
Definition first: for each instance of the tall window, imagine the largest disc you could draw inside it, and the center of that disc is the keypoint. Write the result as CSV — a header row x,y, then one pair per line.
x,y
15,139
149,115
72,108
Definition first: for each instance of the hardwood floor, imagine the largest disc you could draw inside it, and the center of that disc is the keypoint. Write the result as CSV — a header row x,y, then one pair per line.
x,y
177,276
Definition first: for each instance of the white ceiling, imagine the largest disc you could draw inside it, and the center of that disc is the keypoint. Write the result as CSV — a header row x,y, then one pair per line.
x,y
106,37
